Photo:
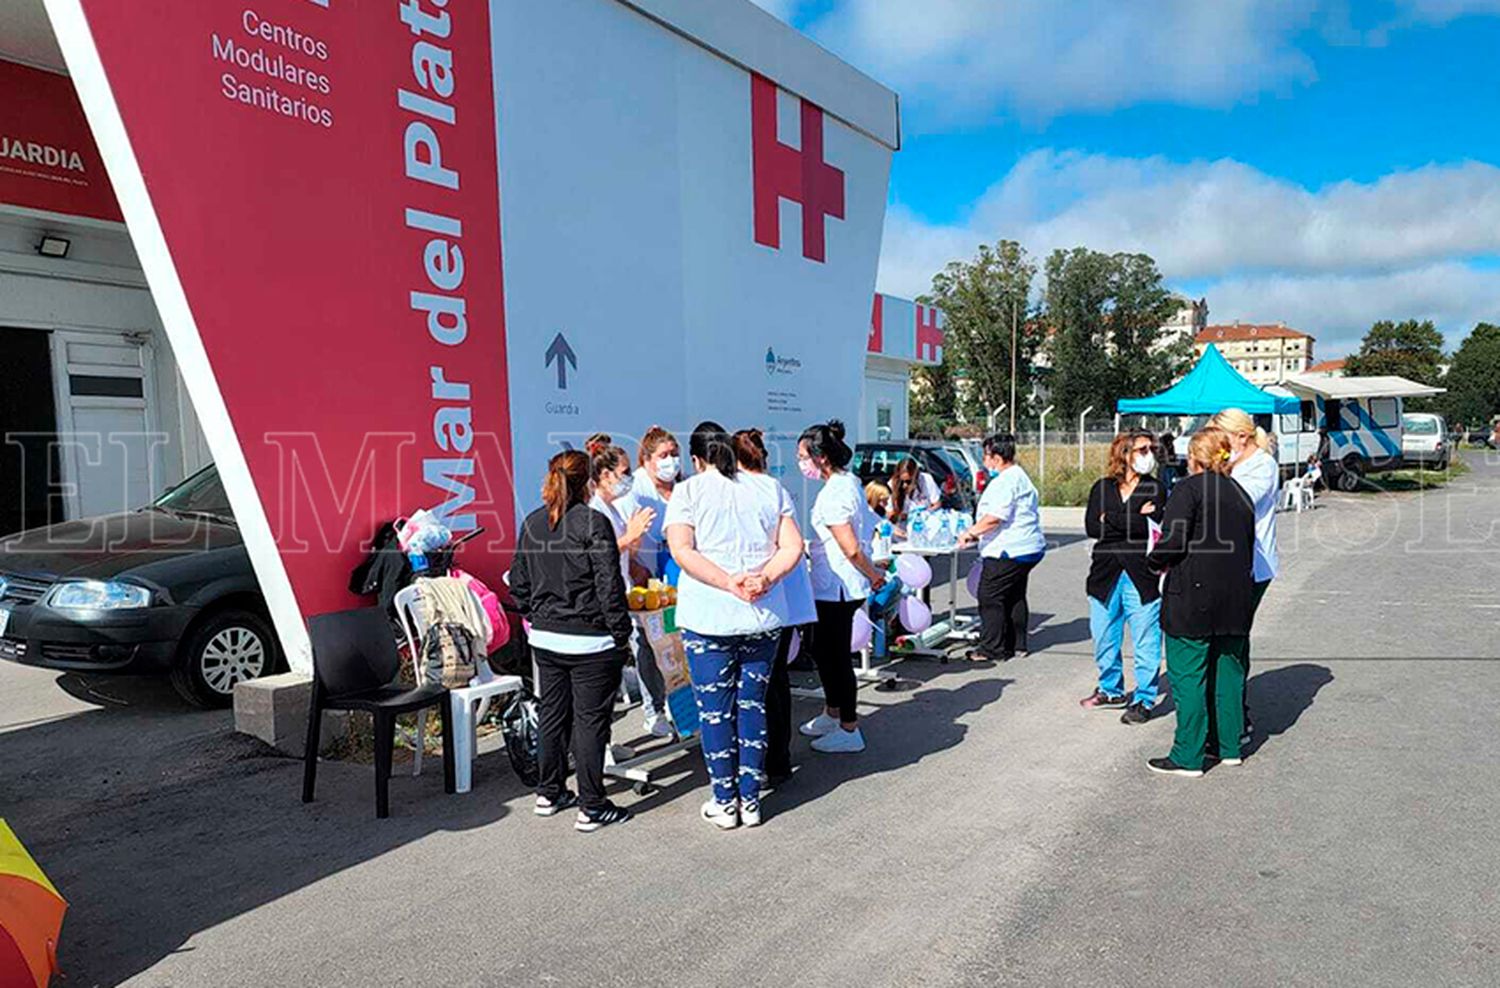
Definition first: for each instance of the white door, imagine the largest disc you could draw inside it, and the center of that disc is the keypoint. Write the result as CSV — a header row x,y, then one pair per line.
x,y
105,425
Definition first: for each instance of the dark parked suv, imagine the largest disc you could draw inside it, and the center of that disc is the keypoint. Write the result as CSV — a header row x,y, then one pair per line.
x,y
167,588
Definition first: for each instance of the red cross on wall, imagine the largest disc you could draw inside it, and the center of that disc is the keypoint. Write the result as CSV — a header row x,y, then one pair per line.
x,y
929,335
784,172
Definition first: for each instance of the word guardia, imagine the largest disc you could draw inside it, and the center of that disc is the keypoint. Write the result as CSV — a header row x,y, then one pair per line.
x,y
46,155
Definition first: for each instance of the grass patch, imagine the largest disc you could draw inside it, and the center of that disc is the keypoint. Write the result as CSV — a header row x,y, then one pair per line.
x,y
1065,485
1419,479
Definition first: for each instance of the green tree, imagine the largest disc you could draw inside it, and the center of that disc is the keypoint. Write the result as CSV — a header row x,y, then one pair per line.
x,y
981,299
934,393
1408,349
1473,379
1105,313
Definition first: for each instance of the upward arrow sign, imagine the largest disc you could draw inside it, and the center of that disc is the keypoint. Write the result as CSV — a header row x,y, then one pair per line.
x,y
561,354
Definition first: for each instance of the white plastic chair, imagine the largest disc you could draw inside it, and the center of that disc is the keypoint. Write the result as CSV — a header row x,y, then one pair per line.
x,y
1298,493
467,705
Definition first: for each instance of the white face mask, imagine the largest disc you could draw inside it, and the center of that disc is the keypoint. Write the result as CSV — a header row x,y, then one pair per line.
x,y
1144,463
667,468
619,488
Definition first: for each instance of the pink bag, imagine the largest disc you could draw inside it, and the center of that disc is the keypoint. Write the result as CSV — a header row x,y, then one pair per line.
x,y
499,626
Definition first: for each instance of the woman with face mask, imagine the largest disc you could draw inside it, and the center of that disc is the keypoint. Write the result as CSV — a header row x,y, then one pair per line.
x,y
609,466
1121,586
660,468
842,578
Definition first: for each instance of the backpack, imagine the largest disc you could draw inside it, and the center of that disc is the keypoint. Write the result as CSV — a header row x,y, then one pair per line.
x,y
489,601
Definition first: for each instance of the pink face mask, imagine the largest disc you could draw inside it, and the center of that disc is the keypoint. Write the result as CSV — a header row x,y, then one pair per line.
x,y
809,468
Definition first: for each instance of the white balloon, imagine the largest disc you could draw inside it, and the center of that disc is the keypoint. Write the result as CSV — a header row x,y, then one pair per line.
x,y
914,571
915,615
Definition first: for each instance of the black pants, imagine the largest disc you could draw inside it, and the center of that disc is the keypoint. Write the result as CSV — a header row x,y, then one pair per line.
x,y
779,711
834,658
575,700
1003,613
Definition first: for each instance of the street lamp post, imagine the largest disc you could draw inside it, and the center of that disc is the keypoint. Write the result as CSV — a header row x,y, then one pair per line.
x,y
1041,470
1081,416
994,417
1013,366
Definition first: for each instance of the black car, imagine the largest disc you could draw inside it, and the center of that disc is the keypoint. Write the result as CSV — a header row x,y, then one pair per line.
x,y
166,588
945,461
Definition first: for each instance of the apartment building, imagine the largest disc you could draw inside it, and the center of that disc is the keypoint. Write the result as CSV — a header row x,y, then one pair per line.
x,y
1264,354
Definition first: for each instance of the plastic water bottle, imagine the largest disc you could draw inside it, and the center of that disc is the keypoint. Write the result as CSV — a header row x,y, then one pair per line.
x,y
917,530
945,531
961,526
418,560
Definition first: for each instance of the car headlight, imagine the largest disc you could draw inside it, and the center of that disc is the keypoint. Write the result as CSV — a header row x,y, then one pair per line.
x,y
99,596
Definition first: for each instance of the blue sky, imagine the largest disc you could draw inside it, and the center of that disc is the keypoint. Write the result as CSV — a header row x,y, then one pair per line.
x,y
1322,163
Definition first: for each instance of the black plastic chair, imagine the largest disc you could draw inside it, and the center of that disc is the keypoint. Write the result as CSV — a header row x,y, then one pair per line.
x,y
354,668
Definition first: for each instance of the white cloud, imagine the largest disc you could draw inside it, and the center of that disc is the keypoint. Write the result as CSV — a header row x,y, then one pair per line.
x,y
965,58
961,60
1339,308
1335,257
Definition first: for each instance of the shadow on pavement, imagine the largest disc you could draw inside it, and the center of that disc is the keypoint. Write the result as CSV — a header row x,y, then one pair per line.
x,y
157,822
1279,696
923,723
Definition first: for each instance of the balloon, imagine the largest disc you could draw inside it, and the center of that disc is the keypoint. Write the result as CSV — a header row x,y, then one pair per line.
x,y
916,616
913,570
972,581
864,631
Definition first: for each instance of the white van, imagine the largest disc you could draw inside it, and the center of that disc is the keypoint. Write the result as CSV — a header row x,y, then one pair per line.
x,y
1362,416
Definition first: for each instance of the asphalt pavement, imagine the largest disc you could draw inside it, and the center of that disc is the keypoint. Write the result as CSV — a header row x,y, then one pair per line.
x,y
993,832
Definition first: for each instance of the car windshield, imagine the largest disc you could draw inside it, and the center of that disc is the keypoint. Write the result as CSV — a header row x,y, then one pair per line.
x,y
200,494
1421,426
956,460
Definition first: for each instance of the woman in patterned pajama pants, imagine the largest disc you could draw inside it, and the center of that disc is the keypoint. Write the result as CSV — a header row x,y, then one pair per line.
x,y
730,674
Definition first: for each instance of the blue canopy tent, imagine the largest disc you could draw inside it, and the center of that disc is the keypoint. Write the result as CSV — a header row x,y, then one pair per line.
x,y
1210,387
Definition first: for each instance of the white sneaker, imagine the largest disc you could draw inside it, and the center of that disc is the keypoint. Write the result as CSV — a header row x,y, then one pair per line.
x,y
840,742
819,726
725,816
750,814
657,726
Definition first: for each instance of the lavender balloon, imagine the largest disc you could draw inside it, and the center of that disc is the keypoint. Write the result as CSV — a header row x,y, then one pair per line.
x,y
913,570
916,616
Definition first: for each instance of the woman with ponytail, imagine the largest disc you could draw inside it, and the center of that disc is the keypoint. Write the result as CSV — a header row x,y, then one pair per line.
x,y
1254,466
735,537
843,577
567,583
1207,548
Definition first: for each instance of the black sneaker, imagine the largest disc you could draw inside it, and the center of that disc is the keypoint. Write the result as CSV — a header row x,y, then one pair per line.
x,y
591,820
1136,713
1165,766
549,807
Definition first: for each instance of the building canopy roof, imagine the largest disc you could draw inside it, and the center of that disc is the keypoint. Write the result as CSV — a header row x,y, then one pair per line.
x,y
1210,387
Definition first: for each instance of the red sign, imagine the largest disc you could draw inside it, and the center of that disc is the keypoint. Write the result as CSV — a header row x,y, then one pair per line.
x,y
325,175
785,172
48,159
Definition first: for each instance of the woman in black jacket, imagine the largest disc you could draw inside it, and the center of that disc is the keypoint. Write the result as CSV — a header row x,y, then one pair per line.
x,y
566,581
1121,585
1208,550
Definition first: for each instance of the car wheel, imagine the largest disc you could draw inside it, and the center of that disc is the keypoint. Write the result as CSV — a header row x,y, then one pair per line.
x,y
229,647
1351,474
